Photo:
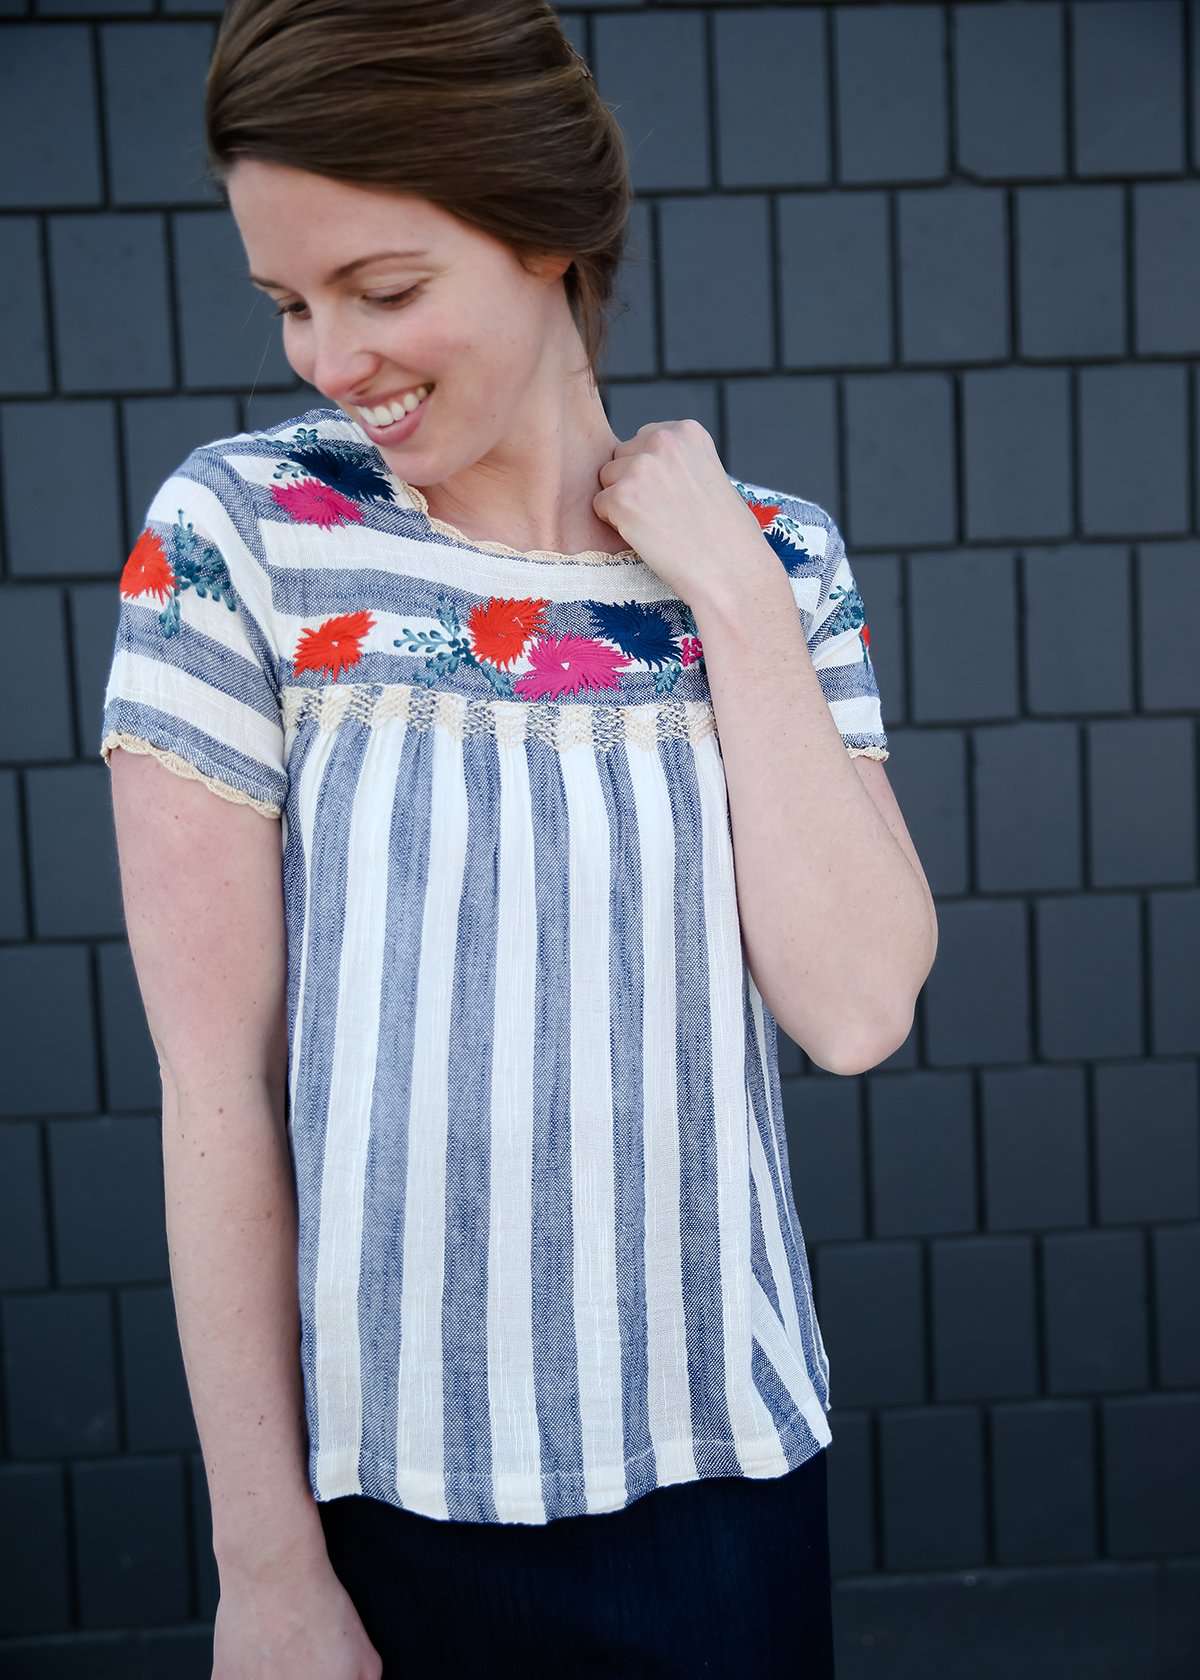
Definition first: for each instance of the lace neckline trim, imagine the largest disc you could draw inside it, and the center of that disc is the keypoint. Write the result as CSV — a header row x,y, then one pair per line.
x,y
582,557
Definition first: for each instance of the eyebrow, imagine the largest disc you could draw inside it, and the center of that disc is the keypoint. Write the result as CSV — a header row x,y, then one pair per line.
x,y
346,269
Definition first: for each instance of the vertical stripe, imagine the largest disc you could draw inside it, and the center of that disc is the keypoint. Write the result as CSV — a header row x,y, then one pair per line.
x,y
393,1114
597,1326
704,1188
556,1377
627,1044
467,1421
326,930
516,1449
351,1085
420,1398
748,1418
668,1387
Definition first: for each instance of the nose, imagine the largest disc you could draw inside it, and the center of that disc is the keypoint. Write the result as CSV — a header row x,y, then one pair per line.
x,y
341,364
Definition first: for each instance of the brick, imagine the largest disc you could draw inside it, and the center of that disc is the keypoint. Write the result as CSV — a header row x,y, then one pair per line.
x,y
35,663
1166,253
1078,656
158,1409
781,434
58,1372
1070,246
653,68
44,534
1089,963
636,403
75,885
114,336
1152,1474
1176,1261
900,460
922,1155
716,276
976,999
955,673
1017,437
13,923
1168,593
46,1047
184,1654
872,1318
1009,59
1044,1485
154,84
890,126
54,138
1175,1000
1035,1150
157,433
932,1464
630,348
24,1248
24,355
1177,1627
983,1354
107,1182
931,785
851,1494
1095,1306
1147,1141
33,1582
1028,815
130,1536
1097,1620
1128,88
1141,801
1133,449
765,133
227,332
130,1064
953,255
824,1141
834,268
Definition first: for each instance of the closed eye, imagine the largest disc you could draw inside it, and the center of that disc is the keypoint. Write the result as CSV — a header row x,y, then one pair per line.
x,y
388,302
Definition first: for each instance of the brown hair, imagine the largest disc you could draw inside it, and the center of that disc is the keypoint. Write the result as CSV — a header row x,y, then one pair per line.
x,y
482,107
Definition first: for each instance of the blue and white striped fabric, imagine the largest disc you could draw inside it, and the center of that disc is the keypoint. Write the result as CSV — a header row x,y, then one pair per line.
x,y
549,1257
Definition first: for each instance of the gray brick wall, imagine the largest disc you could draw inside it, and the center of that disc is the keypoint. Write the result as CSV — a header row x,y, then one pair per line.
x,y
935,266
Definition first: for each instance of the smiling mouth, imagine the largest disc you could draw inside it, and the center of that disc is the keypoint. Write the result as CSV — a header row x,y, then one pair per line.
x,y
383,415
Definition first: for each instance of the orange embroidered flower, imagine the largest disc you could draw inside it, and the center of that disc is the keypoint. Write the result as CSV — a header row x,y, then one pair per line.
x,y
147,570
764,512
334,645
500,628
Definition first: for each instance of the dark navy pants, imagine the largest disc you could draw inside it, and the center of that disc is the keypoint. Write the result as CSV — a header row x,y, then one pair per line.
x,y
728,1575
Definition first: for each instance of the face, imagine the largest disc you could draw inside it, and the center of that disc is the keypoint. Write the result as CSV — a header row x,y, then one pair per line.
x,y
451,309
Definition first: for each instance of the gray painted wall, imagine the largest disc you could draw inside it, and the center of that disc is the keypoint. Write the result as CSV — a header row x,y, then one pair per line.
x,y
937,268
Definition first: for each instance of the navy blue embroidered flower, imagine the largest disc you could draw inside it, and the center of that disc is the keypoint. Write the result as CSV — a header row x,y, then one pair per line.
x,y
347,467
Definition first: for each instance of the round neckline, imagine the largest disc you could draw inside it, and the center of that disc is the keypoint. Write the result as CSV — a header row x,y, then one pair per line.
x,y
581,557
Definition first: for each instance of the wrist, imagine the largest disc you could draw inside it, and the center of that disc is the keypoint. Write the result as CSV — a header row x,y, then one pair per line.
x,y
286,1548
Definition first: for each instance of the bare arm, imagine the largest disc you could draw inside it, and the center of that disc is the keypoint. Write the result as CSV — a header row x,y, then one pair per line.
x,y
202,887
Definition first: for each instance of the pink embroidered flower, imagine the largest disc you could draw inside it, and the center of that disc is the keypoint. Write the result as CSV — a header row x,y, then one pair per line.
x,y
690,650
566,664
309,502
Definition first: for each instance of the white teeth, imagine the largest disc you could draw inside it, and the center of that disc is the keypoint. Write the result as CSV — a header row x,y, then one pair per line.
x,y
396,410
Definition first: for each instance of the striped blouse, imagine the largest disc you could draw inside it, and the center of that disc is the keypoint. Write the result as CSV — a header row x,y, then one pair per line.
x,y
548,1256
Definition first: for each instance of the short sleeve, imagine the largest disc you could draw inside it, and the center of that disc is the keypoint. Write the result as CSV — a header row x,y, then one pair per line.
x,y
194,677
835,617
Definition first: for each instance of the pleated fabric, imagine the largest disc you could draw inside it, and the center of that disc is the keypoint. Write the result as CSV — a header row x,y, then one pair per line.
x,y
549,1257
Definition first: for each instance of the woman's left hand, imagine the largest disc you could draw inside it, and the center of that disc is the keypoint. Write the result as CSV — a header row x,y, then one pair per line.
x,y
666,492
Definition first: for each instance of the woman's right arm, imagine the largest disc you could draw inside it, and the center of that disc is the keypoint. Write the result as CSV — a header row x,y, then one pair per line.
x,y
201,881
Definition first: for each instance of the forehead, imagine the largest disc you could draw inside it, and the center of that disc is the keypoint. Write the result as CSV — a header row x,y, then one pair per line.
x,y
290,217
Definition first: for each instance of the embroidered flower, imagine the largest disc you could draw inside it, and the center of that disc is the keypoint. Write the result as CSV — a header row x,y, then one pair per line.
x,y
346,467
850,616
500,628
191,563
690,650
309,502
566,664
334,645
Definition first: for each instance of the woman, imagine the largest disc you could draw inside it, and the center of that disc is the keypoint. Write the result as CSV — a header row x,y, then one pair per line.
x,y
494,1304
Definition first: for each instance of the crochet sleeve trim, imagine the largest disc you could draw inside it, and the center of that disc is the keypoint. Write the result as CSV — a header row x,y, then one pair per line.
x,y
182,767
